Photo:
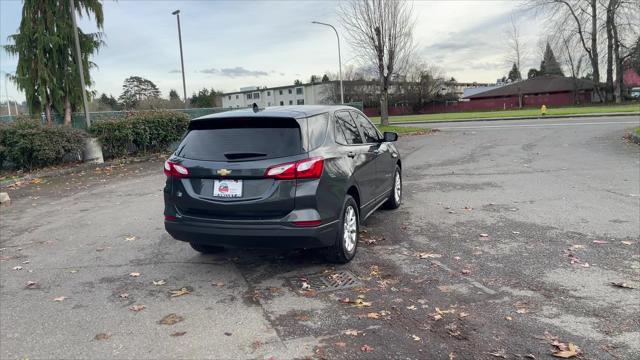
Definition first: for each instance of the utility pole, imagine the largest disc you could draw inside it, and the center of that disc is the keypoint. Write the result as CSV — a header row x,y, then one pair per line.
x,y
85,104
339,58
184,83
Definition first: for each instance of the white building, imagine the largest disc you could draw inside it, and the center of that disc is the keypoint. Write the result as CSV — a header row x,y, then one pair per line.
x,y
304,94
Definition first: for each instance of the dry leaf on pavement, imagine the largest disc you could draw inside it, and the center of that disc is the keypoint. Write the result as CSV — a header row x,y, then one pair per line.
x,y
102,336
366,348
60,298
130,238
352,332
32,285
123,296
416,338
570,351
159,282
134,274
340,344
426,255
465,271
17,268
627,242
484,235
178,333
411,307
137,307
600,242
361,303
622,285
180,292
170,319
218,284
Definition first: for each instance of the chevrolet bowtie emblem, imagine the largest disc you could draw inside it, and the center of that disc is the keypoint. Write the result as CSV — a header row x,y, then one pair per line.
x,y
224,172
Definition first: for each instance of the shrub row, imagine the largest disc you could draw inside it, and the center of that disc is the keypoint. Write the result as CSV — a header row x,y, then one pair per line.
x,y
26,144
139,132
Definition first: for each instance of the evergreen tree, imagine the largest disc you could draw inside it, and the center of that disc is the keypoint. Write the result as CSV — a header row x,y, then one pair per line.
x,y
173,95
514,74
533,73
47,70
325,78
136,89
549,64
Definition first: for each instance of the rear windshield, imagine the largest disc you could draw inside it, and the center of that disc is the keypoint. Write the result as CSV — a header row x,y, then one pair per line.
x,y
241,139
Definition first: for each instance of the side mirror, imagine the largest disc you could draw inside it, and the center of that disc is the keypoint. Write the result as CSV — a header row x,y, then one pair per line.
x,y
390,136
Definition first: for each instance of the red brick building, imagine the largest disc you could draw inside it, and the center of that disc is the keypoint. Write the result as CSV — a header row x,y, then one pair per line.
x,y
544,90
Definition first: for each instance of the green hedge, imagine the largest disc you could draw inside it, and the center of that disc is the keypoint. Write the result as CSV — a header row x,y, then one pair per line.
x,y
25,144
139,132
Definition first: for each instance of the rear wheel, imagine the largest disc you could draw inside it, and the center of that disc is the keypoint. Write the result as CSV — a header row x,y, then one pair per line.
x,y
344,249
206,249
395,198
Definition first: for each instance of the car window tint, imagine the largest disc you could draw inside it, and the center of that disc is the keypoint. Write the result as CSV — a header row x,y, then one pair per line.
x,y
350,132
370,133
237,139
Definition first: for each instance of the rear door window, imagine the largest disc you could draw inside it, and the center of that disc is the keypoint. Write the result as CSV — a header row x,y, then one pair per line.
x,y
370,132
346,130
238,139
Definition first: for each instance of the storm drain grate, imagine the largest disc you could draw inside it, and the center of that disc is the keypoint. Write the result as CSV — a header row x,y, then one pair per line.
x,y
327,281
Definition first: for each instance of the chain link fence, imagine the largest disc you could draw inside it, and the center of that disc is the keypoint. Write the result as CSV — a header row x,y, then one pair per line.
x,y
78,119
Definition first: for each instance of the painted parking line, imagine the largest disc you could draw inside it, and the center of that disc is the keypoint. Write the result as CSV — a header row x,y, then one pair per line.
x,y
539,125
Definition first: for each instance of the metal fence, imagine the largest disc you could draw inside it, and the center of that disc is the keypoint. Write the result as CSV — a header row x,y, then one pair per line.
x,y
78,119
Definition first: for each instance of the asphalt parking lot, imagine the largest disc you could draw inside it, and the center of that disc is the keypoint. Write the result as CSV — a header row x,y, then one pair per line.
x,y
509,238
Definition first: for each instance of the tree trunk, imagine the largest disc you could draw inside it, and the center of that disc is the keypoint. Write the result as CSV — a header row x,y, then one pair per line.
x,y
619,65
609,28
594,49
47,113
67,111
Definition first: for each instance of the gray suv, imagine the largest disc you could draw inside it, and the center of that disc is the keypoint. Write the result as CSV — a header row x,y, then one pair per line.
x,y
294,177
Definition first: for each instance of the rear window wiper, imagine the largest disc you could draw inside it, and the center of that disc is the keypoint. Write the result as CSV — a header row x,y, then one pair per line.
x,y
243,155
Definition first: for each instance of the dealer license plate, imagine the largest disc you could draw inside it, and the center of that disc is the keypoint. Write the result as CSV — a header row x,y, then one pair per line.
x,y
227,188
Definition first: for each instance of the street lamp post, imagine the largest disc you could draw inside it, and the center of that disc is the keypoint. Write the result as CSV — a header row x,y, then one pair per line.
x,y
6,93
339,58
85,104
184,84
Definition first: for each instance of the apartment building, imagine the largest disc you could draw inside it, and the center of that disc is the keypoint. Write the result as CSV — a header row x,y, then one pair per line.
x,y
303,94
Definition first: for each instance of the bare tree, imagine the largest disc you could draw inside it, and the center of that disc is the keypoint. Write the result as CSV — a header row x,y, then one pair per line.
x,y
419,84
573,59
580,17
381,32
515,47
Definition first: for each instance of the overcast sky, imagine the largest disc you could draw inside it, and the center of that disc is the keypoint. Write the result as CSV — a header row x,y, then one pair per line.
x,y
232,44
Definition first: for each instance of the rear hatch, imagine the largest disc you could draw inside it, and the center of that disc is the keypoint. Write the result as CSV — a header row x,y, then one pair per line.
x,y
227,160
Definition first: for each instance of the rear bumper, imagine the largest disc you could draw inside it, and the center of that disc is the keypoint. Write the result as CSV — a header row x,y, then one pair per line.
x,y
253,235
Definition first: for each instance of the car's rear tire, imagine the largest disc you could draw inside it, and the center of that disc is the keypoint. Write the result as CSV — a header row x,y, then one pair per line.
x,y
344,249
395,198
206,249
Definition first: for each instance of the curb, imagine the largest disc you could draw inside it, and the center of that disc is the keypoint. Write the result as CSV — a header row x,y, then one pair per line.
x,y
518,118
67,170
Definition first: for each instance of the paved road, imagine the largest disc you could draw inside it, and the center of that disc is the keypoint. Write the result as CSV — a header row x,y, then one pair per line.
x,y
545,195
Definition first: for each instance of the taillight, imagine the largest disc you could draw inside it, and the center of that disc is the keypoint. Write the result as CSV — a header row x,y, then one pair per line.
x,y
307,223
175,170
302,169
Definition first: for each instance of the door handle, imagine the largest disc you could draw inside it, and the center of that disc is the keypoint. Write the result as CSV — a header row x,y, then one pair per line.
x,y
351,154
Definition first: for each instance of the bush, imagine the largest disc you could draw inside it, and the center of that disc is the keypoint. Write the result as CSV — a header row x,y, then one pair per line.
x,y
142,131
26,144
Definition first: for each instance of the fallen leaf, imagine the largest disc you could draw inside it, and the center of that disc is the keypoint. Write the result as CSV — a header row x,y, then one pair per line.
x,y
515,232
102,336
32,285
508,318
500,354
36,181
159,282
134,274
352,332
627,242
425,255
130,238
412,307
178,333
570,352
228,334
340,344
306,286
218,284
463,315
444,288
456,258
366,348
17,268
361,303
600,242
416,338
170,319
465,271
436,316
60,298
74,271
373,315
137,307
26,262
622,285
123,296
179,292
522,311
484,235
577,246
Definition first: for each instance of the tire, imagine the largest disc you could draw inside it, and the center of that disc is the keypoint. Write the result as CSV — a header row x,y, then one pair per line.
x,y
395,198
206,249
344,249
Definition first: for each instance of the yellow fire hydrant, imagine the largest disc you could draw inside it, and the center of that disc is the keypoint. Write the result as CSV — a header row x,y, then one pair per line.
x,y
543,110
